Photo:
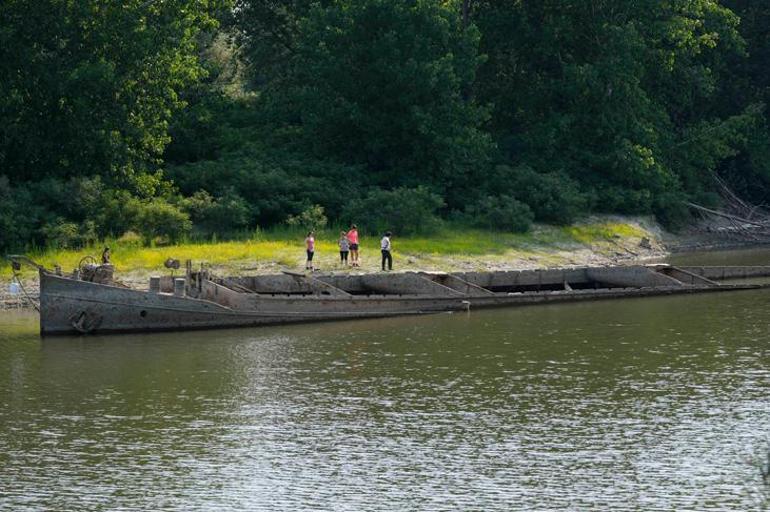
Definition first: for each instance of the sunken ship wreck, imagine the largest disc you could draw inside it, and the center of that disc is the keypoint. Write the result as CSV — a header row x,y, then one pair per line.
x,y
90,300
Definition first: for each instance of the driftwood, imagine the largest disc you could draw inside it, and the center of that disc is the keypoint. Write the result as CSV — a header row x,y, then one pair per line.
x,y
726,215
737,219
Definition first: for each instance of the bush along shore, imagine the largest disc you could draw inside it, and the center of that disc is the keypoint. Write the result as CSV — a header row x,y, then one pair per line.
x,y
596,242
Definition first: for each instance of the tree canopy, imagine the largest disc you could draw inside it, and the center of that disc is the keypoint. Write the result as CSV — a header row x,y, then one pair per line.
x,y
242,113
89,87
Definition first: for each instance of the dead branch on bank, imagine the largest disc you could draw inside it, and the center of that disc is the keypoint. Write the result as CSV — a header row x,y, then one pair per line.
x,y
736,220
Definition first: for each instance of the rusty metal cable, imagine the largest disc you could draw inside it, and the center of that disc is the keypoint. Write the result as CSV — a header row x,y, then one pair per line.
x,y
24,290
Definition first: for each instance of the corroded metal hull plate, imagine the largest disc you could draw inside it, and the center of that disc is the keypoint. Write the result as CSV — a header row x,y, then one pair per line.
x,y
71,306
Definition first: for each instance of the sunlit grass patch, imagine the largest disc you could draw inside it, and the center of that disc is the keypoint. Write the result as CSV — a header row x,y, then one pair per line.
x,y
450,242
480,242
600,232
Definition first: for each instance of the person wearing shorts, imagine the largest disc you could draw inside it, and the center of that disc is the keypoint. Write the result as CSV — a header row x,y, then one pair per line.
x,y
352,237
310,249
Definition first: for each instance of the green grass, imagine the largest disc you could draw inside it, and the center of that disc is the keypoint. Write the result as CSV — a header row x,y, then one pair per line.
x,y
276,249
599,232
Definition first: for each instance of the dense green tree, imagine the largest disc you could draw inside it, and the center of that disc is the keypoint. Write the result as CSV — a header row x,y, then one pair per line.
x,y
618,94
749,82
500,111
269,32
380,84
88,87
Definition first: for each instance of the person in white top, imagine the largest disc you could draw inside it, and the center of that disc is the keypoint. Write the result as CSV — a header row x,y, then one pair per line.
x,y
385,247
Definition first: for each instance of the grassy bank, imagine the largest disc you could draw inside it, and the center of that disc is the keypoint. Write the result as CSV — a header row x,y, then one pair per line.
x,y
453,248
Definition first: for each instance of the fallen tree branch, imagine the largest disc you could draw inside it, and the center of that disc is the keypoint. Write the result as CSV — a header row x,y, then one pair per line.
x,y
726,215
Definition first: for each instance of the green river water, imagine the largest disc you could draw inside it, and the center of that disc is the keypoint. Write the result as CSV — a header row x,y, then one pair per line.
x,y
640,404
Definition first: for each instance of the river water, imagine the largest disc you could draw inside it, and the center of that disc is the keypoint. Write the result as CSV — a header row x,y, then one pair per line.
x,y
640,404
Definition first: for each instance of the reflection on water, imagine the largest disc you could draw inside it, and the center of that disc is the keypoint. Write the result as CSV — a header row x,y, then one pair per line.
x,y
645,404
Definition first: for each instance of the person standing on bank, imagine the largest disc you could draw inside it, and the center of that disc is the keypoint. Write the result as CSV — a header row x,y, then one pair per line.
x,y
353,239
385,247
106,255
344,244
310,247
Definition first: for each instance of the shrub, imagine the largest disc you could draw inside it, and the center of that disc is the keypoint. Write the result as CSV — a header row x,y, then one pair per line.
x,y
272,183
230,210
62,234
226,213
672,212
198,205
403,210
501,213
312,217
616,199
158,218
130,238
552,197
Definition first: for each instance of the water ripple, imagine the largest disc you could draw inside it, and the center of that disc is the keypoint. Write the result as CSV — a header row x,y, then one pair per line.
x,y
628,405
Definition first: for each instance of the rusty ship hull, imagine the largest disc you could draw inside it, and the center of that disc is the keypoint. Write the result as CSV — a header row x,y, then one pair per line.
x,y
69,305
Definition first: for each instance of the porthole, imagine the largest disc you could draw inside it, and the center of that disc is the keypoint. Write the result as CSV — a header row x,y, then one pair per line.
x,y
143,313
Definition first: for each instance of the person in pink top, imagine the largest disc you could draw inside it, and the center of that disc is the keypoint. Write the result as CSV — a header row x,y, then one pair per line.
x,y
310,246
353,239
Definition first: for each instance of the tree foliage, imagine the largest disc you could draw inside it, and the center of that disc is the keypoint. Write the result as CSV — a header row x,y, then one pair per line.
x,y
619,95
402,210
380,84
391,114
89,87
